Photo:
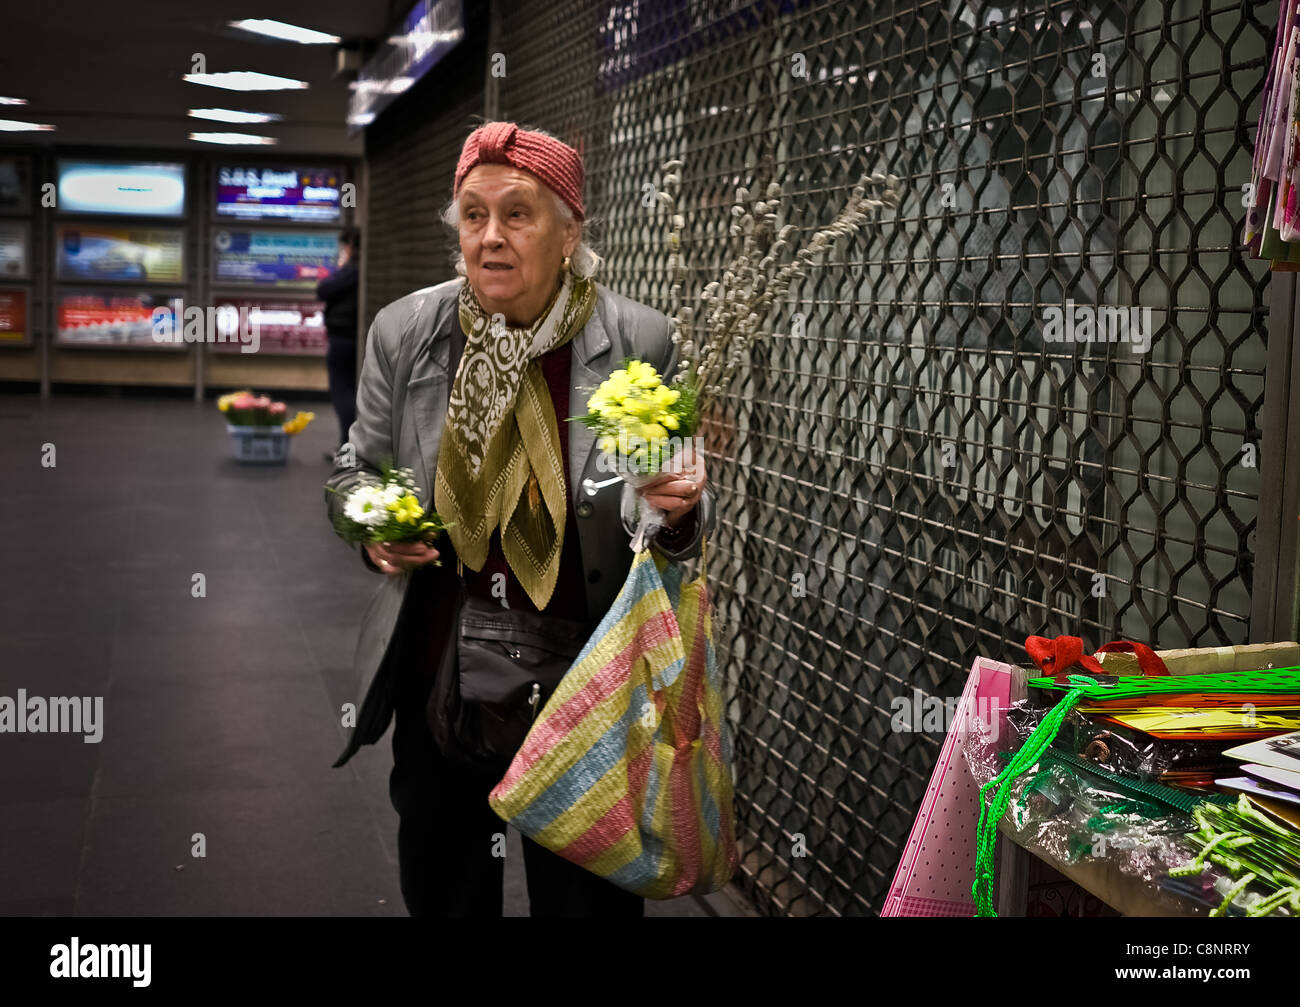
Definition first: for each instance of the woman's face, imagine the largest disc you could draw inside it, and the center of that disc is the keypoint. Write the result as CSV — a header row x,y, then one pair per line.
x,y
513,239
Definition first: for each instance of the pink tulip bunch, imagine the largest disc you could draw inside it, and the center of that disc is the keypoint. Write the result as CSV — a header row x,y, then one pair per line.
x,y
244,409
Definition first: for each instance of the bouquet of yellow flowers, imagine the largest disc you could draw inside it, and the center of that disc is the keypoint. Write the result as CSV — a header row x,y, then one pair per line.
x,y
387,510
635,415
643,427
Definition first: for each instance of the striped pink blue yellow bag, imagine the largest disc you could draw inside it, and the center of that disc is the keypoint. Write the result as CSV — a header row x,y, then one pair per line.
x,y
627,771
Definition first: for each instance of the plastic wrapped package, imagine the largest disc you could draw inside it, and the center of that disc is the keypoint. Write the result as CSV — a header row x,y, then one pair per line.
x,y
1124,750
981,746
1067,814
1138,769
1069,817
1116,748
1072,781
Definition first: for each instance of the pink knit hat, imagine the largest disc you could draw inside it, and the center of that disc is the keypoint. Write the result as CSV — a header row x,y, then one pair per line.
x,y
555,163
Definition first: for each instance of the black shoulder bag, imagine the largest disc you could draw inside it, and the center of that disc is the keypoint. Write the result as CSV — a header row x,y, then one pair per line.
x,y
496,674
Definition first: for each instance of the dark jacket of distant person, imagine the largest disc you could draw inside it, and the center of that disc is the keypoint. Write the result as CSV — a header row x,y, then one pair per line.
x,y
339,293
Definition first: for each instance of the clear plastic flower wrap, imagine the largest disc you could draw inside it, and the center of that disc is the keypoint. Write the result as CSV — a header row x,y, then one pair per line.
x,y
980,742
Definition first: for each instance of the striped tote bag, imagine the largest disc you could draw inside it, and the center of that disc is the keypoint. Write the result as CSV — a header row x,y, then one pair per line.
x,y
627,770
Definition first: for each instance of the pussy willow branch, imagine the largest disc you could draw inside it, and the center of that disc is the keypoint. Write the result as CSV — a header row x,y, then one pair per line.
x,y
715,329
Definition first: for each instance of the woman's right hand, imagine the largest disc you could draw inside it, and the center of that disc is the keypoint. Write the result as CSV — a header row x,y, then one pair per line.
x,y
400,557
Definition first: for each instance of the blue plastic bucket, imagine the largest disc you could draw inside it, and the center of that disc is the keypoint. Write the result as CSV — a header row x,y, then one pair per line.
x,y
259,445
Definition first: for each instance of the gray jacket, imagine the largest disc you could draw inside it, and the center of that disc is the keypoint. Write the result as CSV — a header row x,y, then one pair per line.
x,y
401,408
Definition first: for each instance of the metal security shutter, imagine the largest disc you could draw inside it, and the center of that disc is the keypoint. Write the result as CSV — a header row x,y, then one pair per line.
x,y
909,475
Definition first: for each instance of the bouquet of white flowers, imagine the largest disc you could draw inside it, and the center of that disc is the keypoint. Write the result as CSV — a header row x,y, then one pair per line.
x,y
387,510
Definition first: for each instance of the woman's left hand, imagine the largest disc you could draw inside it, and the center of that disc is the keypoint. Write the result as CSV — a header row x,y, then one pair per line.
x,y
677,492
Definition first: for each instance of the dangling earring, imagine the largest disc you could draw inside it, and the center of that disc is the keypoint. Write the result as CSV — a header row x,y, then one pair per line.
x,y
565,264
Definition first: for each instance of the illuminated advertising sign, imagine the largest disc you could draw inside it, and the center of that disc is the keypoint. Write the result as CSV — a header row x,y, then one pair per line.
x,y
285,260
119,254
13,318
429,32
283,327
14,243
145,190
300,195
113,319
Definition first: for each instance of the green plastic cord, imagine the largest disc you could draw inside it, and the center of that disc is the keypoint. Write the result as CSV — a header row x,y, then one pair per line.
x,y
991,813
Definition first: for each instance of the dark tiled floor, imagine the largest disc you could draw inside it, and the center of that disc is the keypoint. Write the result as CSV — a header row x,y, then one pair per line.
x,y
220,712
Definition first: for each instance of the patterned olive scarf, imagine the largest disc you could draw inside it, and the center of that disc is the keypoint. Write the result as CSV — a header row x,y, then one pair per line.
x,y
500,465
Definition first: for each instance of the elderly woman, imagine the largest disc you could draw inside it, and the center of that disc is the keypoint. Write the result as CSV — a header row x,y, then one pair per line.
x,y
469,384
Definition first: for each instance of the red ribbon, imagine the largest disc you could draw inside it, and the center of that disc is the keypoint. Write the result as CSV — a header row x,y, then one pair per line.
x,y
1058,656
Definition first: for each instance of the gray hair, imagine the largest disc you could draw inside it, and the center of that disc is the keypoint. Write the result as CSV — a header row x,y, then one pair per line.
x,y
584,262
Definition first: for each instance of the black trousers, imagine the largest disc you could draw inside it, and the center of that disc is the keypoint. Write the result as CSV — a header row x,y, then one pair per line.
x,y
341,365
448,833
